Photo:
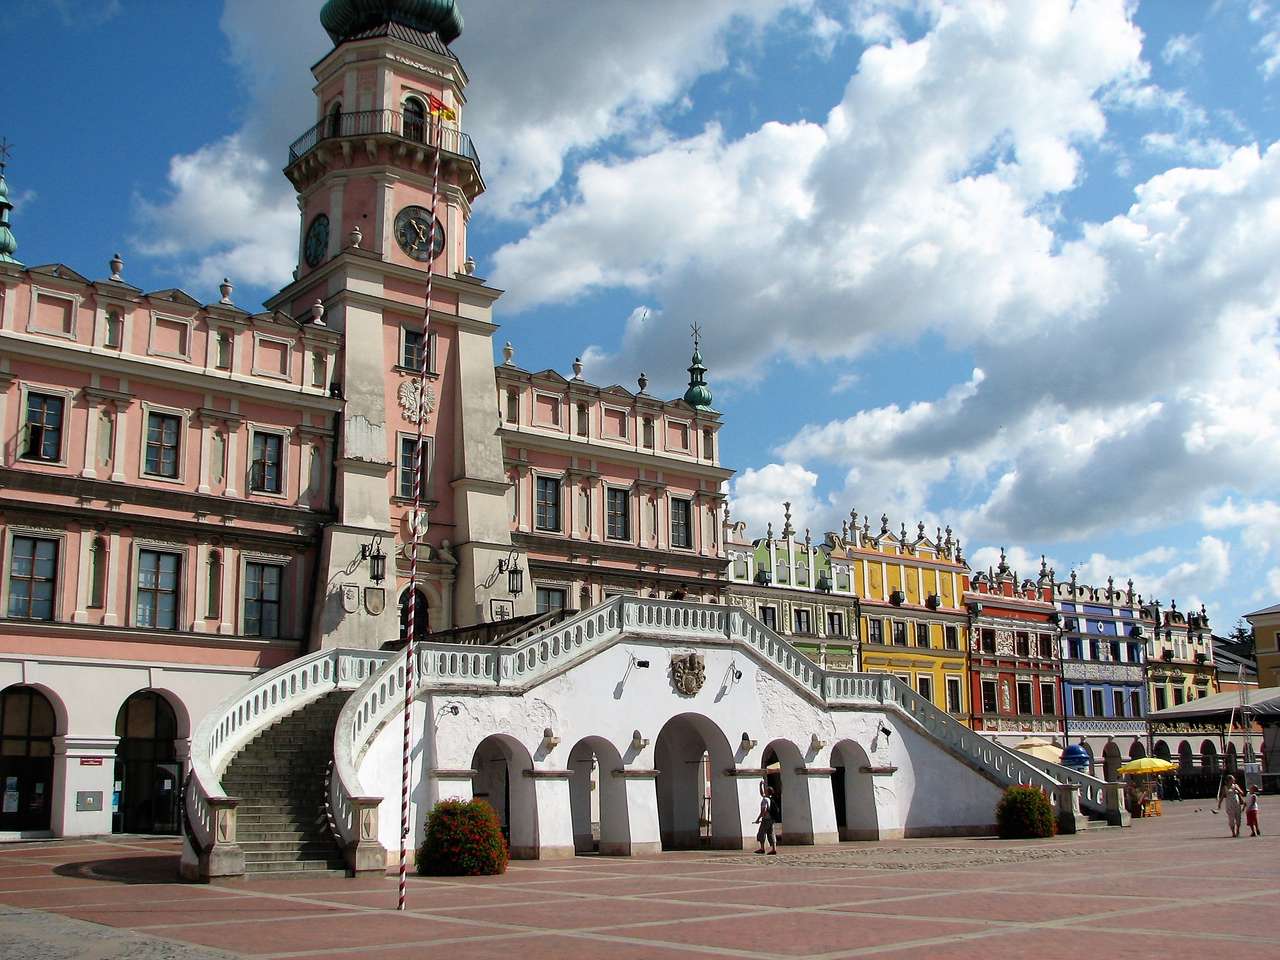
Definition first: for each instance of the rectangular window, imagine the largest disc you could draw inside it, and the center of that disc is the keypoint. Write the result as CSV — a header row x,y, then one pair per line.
x,y
708,445
951,637
411,353
1077,702
262,599
548,503
1075,649
922,635
924,685
162,445
1162,698
1135,704
1098,708
550,599
953,695
1135,653
648,433
1117,703
158,580
33,571
835,625
1048,701
769,617
1093,650
1024,698
1178,696
1114,646
618,507
875,630
408,463
513,406
582,420
804,621
899,633
989,697
1021,644
1045,644
681,523
266,474
44,428
988,641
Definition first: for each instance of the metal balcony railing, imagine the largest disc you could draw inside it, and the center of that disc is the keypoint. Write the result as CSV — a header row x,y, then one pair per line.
x,y
386,123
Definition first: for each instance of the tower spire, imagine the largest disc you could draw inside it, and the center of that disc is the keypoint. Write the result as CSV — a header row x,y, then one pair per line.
x,y
698,395
8,243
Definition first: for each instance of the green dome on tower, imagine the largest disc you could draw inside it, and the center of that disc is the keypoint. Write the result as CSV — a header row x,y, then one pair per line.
x,y
8,243
344,19
698,395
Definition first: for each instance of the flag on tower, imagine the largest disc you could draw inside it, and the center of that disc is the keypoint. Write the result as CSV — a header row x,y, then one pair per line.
x,y
440,109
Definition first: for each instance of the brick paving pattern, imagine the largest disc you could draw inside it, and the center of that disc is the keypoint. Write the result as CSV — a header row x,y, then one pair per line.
x,y
1175,886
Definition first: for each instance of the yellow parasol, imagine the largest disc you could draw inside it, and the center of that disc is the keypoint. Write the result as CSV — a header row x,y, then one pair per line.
x,y
1147,767
1040,749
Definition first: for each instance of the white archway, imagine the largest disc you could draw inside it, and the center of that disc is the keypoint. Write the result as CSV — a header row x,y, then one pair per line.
x,y
598,799
854,790
504,779
782,758
697,795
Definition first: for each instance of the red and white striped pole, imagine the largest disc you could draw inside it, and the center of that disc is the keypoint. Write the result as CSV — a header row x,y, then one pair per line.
x,y
418,526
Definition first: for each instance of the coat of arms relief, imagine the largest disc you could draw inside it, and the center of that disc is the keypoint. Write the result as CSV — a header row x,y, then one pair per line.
x,y
688,673
415,395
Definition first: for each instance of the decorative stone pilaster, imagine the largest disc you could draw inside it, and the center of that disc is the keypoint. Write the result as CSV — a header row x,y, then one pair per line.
x,y
1070,820
366,855
1117,815
224,858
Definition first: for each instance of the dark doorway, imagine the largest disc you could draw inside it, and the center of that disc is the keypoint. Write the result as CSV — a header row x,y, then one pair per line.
x,y
27,726
148,777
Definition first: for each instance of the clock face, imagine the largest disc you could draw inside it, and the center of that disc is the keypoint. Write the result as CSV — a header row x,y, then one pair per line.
x,y
317,241
413,233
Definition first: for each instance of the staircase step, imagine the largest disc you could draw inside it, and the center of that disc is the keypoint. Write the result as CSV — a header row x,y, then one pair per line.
x,y
295,866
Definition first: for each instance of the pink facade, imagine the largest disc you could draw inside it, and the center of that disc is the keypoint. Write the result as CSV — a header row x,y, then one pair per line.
x,y
611,491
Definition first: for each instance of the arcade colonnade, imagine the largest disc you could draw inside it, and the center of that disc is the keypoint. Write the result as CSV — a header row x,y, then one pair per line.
x,y
89,749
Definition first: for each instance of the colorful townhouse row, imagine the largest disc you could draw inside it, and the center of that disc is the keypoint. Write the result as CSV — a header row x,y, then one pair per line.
x,y
1014,658
192,493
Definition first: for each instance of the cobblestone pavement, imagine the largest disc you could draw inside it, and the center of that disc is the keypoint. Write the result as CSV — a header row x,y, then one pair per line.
x,y
1175,886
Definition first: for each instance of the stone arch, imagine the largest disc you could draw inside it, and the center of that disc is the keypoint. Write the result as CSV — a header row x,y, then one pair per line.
x,y
148,766
854,789
1093,761
504,779
696,789
598,799
415,118
1208,757
421,613
1136,750
1110,762
29,720
1186,757
781,760
1231,759
333,119
1162,751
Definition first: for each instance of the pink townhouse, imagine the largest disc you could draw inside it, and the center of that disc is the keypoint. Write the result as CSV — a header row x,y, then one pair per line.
x,y
613,492
165,467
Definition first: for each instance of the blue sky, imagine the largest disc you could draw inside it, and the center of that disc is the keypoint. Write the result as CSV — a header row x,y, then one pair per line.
x,y
1009,266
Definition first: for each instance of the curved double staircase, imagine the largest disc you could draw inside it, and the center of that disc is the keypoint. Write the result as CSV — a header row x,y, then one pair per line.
x,y
262,796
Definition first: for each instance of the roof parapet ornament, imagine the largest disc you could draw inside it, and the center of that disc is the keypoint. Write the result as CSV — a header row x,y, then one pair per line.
x,y
224,290
642,381
788,531
116,265
884,524
508,354
577,368
317,313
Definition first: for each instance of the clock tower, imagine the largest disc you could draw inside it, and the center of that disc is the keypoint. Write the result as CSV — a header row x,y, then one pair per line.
x,y
385,180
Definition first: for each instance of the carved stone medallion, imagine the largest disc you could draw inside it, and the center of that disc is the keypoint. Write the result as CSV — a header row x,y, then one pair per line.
x,y
688,673
410,396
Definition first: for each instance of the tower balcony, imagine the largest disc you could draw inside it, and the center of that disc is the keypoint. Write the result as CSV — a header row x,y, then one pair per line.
x,y
408,139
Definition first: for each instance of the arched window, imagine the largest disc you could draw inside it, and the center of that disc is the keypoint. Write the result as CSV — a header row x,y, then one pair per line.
x,y
421,627
415,120
334,127
147,766
27,728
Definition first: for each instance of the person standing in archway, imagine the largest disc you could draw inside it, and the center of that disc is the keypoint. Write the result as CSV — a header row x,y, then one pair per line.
x,y
765,819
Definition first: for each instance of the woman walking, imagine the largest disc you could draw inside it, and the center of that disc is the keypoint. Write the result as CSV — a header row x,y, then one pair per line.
x,y
1233,796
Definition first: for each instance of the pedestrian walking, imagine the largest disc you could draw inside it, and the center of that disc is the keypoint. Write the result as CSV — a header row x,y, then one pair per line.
x,y
1251,813
1233,797
765,819
1174,789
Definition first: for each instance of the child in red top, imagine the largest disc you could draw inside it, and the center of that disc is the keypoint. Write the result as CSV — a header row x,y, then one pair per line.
x,y
1251,813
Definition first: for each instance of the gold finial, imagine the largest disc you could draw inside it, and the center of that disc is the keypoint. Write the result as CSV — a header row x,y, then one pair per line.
x,y
6,151
697,335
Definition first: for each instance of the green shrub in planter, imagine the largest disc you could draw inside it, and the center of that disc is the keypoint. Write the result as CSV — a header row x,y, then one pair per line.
x,y
463,839
1024,813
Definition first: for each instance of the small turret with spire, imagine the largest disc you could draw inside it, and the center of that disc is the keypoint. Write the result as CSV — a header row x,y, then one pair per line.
x,y
8,243
698,395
